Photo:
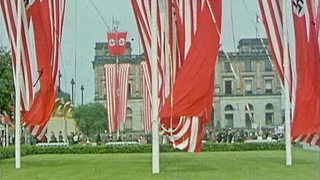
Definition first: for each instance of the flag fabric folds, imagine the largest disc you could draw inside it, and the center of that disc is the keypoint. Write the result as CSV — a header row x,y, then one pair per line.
x,y
304,68
117,77
272,14
306,117
116,43
188,43
146,102
42,22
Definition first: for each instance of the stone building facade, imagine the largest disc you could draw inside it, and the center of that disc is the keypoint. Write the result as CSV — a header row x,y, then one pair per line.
x,y
247,88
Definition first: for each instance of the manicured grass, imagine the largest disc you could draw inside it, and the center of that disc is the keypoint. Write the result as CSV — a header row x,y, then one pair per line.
x,y
179,165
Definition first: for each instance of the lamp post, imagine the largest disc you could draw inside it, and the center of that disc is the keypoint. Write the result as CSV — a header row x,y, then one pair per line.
x,y
72,84
59,87
82,88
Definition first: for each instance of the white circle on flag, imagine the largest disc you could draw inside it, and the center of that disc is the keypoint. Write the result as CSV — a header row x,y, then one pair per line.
x,y
112,42
122,42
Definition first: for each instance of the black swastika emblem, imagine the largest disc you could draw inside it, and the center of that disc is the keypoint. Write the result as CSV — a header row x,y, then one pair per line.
x,y
298,7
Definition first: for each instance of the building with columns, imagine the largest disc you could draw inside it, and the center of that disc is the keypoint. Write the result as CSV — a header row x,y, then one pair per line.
x,y
247,88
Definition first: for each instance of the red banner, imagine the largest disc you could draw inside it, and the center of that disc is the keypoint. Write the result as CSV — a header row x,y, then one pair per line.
x,y
116,43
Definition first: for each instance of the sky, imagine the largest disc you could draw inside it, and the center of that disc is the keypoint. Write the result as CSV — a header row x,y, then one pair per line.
x,y
87,21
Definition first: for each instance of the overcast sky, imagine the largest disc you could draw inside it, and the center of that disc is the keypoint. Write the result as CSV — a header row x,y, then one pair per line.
x,y
86,23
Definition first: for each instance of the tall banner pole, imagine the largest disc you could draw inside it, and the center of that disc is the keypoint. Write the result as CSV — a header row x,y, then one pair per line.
x,y
117,97
17,88
154,90
286,85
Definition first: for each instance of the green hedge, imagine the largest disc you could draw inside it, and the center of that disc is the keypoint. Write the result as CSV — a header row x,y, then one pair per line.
x,y
8,152
208,147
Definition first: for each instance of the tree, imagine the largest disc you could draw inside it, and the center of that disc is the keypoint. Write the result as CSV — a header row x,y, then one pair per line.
x,y
6,81
91,118
64,95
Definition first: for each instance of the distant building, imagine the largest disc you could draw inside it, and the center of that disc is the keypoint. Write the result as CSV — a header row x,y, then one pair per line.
x,y
247,88
133,122
246,97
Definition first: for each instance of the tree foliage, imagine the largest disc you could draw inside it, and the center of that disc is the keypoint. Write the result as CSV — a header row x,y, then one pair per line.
x,y
91,118
64,95
6,81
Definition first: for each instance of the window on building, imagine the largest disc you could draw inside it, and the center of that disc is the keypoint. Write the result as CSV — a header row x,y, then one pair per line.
x,y
227,67
269,106
249,116
229,116
267,65
248,86
128,123
268,85
229,120
130,89
248,121
269,114
269,118
228,87
228,108
248,107
247,66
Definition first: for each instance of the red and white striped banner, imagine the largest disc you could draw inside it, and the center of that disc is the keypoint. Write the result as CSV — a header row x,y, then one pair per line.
x,y
184,29
272,14
117,77
38,131
305,68
146,100
42,22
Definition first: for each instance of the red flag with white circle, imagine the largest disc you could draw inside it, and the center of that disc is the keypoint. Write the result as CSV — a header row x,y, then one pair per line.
x,y
116,43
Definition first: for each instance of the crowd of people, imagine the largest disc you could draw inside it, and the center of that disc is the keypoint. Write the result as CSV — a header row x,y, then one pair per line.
x,y
228,135
223,135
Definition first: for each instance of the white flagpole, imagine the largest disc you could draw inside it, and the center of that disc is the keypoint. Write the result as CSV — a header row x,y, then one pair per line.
x,y
154,90
286,85
117,96
17,88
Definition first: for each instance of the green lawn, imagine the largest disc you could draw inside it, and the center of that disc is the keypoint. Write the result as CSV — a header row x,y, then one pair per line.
x,y
208,165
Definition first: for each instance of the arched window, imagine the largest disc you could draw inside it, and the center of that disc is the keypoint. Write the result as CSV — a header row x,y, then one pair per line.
x,y
269,106
248,107
228,107
129,111
269,114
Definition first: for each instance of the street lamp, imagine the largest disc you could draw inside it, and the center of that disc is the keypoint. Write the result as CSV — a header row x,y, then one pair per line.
x,y
72,84
59,87
82,88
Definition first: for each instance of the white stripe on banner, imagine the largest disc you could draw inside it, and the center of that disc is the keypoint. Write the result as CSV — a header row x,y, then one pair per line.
x,y
117,79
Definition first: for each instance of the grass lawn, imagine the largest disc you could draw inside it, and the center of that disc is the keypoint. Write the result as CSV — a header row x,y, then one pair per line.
x,y
207,165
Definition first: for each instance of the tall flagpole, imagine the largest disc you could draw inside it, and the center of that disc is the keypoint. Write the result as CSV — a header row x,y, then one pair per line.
x,y
17,88
117,96
286,85
154,90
